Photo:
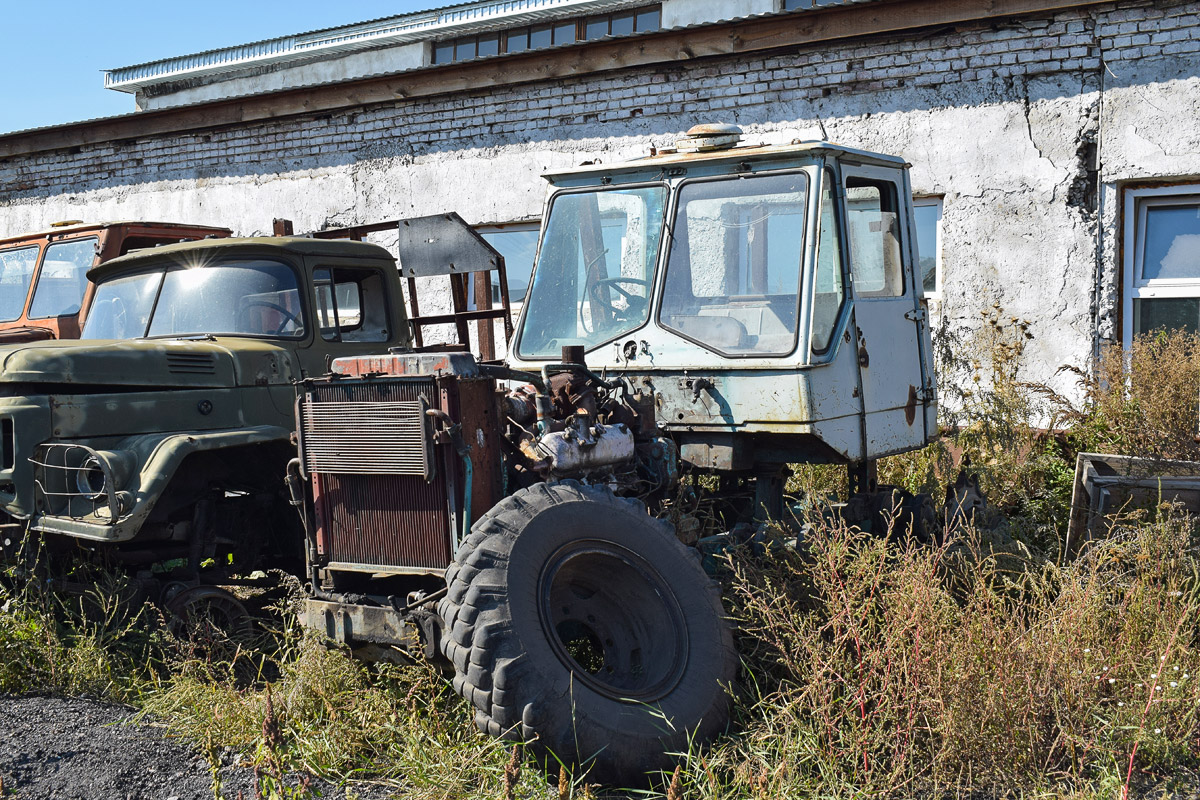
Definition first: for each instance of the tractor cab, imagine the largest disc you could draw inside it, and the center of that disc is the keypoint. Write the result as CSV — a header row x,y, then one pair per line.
x,y
728,309
768,293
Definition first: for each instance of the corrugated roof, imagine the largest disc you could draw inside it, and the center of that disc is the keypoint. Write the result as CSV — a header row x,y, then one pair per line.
x,y
419,26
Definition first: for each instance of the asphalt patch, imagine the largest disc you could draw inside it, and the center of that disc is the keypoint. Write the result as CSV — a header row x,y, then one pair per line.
x,y
55,748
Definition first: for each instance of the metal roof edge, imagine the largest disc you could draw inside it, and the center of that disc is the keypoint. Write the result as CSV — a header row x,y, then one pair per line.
x,y
386,31
298,245
742,152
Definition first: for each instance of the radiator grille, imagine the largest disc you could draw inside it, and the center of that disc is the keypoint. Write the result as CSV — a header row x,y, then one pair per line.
x,y
373,517
357,438
387,520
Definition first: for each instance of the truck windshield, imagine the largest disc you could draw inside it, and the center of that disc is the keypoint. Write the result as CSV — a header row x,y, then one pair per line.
x,y
240,298
594,271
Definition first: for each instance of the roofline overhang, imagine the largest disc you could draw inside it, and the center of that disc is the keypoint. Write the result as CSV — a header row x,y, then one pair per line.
x,y
422,26
756,35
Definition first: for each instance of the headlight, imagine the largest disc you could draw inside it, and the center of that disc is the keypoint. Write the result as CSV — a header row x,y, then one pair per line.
x,y
89,478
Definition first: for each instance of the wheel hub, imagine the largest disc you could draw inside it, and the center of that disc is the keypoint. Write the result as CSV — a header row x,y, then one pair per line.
x,y
612,620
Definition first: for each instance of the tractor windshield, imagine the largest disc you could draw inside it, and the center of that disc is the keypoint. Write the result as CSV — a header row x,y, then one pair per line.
x,y
733,275
594,270
241,298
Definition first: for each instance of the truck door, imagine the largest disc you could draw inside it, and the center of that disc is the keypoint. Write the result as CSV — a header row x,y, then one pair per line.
x,y
891,329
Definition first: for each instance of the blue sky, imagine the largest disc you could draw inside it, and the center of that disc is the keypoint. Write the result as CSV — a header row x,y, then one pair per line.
x,y
54,53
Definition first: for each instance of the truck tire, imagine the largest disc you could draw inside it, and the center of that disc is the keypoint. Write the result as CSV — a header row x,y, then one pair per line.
x,y
578,624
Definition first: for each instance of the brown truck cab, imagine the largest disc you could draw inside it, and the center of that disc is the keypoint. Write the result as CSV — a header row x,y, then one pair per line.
x,y
44,290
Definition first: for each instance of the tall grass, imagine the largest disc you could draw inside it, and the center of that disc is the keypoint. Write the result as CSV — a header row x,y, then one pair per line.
x,y
878,670
89,640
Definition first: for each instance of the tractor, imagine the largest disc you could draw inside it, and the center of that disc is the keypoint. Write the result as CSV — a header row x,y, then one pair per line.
x,y
697,320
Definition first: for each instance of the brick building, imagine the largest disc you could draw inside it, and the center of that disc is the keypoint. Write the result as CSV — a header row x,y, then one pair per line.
x,y
1055,145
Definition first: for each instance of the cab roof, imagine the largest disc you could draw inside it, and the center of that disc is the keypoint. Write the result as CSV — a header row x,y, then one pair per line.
x,y
257,245
672,157
77,227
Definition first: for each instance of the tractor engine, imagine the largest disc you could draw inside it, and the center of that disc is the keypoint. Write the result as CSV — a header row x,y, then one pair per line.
x,y
405,451
585,427
498,520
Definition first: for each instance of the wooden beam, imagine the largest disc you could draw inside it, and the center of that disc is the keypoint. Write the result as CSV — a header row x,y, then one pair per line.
x,y
778,31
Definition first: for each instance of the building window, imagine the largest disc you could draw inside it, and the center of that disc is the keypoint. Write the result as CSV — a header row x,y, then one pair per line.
x,y
1162,260
533,37
928,212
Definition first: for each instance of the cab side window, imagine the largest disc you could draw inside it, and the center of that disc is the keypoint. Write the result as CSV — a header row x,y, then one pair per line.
x,y
829,290
351,305
63,278
873,224
16,272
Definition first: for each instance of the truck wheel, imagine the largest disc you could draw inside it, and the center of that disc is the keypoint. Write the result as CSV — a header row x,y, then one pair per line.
x,y
580,625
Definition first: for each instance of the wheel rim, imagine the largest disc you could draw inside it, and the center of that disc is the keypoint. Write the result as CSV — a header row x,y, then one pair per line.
x,y
209,613
612,620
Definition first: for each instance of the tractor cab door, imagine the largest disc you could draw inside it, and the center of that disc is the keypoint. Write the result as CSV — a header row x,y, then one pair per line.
x,y
890,329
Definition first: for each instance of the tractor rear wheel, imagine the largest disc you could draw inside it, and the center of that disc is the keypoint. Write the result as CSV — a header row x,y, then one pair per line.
x,y
580,625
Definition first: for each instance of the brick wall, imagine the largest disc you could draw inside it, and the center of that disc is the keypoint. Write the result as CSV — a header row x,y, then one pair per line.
x,y
727,88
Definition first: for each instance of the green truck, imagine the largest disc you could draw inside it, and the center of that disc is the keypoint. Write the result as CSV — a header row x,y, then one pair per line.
x,y
162,436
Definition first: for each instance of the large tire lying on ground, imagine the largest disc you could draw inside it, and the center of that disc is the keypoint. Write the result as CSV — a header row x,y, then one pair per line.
x,y
580,625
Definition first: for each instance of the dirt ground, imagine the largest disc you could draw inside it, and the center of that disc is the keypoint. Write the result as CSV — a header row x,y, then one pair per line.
x,y
55,748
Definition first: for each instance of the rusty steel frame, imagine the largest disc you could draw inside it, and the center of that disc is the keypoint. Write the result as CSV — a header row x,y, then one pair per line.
x,y
484,313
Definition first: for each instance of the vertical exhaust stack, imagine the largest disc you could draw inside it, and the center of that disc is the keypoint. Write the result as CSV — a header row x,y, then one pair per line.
x,y
573,354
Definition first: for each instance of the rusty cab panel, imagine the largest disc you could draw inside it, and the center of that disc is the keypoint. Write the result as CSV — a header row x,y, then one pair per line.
x,y
44,291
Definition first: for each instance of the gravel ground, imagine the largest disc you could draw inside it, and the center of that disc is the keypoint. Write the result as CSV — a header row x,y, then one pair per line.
x,y
54,748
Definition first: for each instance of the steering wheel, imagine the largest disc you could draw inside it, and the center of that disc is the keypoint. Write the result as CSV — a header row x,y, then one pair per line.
x,y
635,304
288,316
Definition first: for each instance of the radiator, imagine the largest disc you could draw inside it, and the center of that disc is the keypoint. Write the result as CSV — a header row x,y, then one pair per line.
x,y
379,483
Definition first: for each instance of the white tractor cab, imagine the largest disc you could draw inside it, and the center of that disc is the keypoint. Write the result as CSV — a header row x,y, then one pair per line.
x,y
769,294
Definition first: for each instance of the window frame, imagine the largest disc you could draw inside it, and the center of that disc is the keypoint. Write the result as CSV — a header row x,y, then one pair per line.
x,y
937,201
664,257
1136,203
41,263
901,230
524,226
655,278
831,173
578,23
33,275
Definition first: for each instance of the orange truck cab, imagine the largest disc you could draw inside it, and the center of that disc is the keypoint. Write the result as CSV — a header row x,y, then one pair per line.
x,y
44,290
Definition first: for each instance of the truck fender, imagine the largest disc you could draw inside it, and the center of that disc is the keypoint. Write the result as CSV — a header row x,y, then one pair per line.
x,y
166,454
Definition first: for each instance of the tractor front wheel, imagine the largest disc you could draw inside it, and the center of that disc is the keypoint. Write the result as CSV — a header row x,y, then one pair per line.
x,y
580,625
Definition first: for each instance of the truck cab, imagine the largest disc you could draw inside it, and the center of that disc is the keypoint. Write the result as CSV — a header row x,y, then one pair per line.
x,y
165,431
44,291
